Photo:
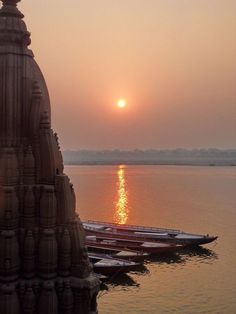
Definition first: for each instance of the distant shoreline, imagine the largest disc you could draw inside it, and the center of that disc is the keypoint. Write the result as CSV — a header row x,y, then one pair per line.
x,y
150,164
176,157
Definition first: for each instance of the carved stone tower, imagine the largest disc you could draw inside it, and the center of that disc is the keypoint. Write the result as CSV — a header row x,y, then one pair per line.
x,y
44,266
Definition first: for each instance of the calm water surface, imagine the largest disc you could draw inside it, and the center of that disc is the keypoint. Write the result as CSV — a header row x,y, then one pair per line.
x,y
195,199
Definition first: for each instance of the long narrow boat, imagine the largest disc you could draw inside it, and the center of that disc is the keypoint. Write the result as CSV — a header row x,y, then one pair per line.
x,y
146,233
106,265
132,244
114,251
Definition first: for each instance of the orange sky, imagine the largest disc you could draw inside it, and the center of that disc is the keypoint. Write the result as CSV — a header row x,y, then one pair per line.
x,y
173,60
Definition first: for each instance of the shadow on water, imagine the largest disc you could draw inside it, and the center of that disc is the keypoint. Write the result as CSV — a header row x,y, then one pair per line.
x,y
122,280
198,254
165,259
141,270
184,256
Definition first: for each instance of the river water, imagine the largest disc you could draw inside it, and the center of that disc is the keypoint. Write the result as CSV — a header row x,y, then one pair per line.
x,y
194,199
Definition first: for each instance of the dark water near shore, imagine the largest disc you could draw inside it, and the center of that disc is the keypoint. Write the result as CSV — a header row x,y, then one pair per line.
x,y
195,199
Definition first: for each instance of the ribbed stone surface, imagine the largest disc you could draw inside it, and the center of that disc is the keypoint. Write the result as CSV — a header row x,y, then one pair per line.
x,y
44,266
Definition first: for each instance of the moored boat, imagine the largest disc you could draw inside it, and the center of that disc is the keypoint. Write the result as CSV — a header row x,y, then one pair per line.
x,y
107,265
101,277
146,233
131,244
114,251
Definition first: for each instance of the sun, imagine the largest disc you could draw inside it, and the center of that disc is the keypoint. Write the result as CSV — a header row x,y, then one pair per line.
x,y
121,103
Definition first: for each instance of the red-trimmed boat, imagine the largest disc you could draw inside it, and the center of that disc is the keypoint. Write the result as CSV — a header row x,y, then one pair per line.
x,y
114,251
131,244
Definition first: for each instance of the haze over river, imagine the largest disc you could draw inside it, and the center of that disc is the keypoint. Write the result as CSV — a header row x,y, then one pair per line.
x,y
194,199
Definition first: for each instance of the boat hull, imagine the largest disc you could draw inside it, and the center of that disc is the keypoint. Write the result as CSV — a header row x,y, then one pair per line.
x,y
125,253
146,234
106,265
141,246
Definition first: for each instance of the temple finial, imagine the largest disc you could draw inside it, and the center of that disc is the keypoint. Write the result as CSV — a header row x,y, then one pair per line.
x,y
10,2
13,30
9,8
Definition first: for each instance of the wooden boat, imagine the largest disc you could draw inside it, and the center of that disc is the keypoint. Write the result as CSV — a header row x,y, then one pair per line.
x,y
107,265
101,277
146,233
116,252
132,244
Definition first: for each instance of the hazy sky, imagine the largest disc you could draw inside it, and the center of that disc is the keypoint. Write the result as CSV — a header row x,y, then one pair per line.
x,y
173,60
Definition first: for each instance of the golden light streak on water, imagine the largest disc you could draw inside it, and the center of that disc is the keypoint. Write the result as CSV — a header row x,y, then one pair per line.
x,y
122,211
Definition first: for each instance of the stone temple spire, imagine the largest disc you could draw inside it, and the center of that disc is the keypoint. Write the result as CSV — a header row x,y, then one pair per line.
x,y
10,2
44,265
10,8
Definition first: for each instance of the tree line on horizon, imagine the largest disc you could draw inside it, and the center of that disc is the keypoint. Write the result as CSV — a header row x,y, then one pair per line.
x,y
211,156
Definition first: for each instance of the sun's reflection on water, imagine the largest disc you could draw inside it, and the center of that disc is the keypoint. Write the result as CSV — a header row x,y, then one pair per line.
x,y
121,211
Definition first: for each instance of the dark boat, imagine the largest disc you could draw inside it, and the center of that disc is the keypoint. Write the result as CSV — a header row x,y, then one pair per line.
x,y
117,252
107,265
101,277
146,233
132,244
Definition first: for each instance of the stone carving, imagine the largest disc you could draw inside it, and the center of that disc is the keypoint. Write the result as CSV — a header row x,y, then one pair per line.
x,y
44,265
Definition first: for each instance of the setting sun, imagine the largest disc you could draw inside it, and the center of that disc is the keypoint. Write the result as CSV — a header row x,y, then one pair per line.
x,y
121,103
